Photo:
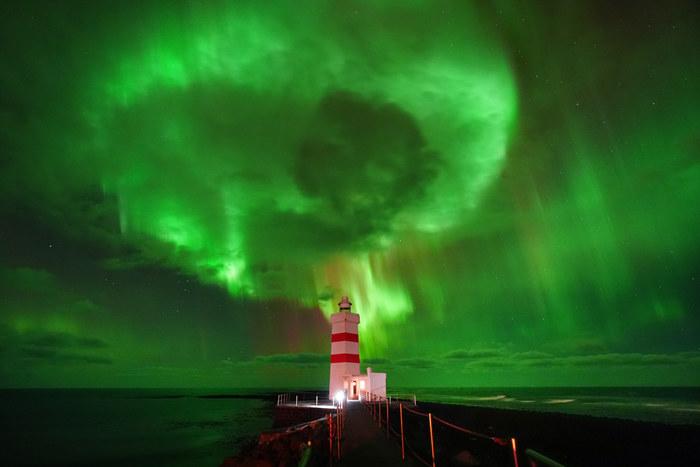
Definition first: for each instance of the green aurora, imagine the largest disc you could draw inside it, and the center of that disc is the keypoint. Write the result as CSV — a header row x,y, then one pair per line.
x,y
508,192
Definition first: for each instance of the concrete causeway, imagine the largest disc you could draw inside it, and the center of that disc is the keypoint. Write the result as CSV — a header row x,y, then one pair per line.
x,y
365,444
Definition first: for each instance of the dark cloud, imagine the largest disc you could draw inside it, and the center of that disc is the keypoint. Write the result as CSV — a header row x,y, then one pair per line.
x,y
533,355
65,340
37,353
50,347
376,361
631,359
359,164
500,358
462,354
38,291
301,359
596,360
327,294
55,357
416,363
365,160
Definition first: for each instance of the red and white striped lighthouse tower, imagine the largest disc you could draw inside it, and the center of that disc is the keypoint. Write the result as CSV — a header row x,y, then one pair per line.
x,y
345,349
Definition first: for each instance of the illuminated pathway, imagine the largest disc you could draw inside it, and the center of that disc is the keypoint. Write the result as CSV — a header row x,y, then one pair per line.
x,y
364,443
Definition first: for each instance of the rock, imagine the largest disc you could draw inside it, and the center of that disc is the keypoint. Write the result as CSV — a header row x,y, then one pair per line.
x,y
466,458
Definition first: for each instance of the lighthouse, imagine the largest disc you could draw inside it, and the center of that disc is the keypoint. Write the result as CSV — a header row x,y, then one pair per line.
x,y
346,381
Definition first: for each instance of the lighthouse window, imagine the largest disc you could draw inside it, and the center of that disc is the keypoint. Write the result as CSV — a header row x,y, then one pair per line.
x,y
362,384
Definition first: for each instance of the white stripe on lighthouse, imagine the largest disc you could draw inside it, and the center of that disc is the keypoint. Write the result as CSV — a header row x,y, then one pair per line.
x,y
345,347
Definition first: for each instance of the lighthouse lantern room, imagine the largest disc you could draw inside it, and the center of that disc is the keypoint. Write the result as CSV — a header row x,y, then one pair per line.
x,y
345,378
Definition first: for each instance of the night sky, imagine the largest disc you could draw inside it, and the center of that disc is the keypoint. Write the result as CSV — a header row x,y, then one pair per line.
x,y
509,192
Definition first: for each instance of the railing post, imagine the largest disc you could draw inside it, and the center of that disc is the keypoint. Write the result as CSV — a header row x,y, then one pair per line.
x,y
414,399
296,402
403,451
515,452
432,443
316,399
337,432
387,417
330,438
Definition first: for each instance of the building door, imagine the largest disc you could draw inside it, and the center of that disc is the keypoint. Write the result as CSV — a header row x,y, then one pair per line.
x,y
354,389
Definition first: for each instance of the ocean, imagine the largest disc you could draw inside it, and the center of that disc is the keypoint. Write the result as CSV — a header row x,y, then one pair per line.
x,y
672,405
186,427
134,427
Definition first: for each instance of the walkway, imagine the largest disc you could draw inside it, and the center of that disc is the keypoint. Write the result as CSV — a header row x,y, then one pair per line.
x,y
364,443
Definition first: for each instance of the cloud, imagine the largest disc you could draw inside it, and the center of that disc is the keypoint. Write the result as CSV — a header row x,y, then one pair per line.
x,y
326,294
461,354
27,280
533,355
534,358
300,359
305,359
376,361
56,357
631,359
39,291
417,363
364,160
52,347
65,340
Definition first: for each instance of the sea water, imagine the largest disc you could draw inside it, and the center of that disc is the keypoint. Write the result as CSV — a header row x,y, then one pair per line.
x,y
134,427
675,405
184,427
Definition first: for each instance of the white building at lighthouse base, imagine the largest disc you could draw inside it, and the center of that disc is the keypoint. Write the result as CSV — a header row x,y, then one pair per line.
x,y
371,385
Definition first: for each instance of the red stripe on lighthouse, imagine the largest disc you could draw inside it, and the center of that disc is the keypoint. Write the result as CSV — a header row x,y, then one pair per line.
x,y
345,358
343,336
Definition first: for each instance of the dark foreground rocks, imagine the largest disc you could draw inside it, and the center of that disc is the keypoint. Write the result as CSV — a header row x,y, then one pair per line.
x,y
305,444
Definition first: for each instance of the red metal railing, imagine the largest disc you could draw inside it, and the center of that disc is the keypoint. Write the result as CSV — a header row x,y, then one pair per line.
x,y
334,421
495,450
500,450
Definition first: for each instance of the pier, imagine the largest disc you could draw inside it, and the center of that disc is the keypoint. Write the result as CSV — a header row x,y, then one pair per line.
x,y
365,443
395,431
